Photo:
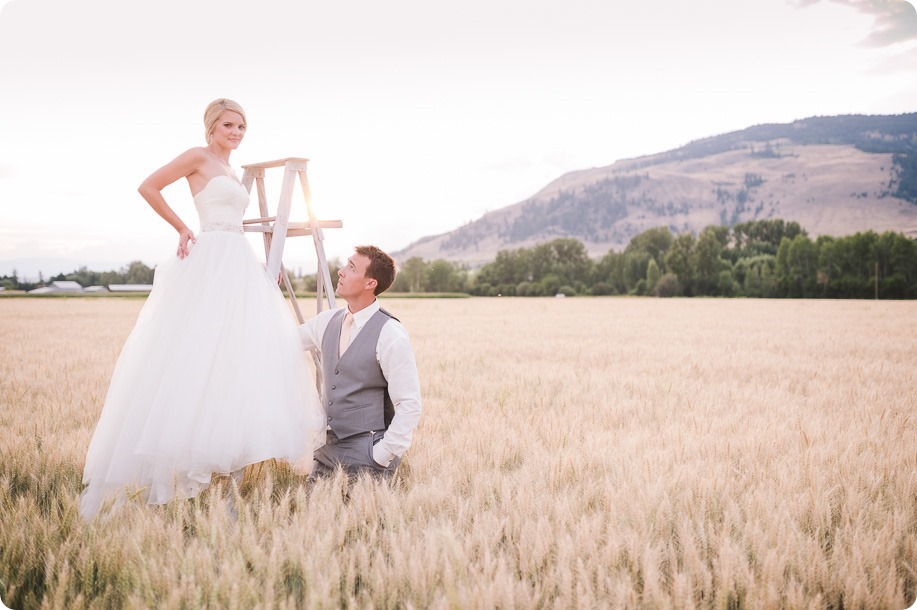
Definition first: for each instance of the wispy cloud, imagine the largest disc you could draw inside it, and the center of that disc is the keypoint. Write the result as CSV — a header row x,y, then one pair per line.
x,y
895,20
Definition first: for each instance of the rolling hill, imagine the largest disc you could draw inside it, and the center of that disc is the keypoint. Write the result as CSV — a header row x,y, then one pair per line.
x,y
833,175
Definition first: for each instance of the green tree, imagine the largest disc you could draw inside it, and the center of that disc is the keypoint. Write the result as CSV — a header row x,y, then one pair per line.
x,y
138,273
529,289
652,275
706,260
566,258
309,283
84,277
445,276
754,276
679,260
797,260
756,237
635,266
655,242
414,271
726,286
609,273
901,280
667,286
508,267
602,289
399,285
550,284
828,265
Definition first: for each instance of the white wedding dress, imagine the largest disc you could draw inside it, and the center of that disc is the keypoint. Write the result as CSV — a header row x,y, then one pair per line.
x,y
213,376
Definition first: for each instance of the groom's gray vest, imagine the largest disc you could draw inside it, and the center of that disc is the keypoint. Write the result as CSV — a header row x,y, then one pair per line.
x,y
355,390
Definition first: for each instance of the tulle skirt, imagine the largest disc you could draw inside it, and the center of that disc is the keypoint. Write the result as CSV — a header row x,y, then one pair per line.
x,y
212,378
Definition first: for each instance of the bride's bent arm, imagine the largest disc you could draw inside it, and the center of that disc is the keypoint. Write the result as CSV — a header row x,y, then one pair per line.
x,y
150,189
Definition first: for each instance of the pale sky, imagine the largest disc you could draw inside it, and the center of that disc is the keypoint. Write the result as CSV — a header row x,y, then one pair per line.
x,y
417,115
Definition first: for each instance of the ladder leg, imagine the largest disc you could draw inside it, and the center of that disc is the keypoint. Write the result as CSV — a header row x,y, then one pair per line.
x,y
323,277
289,286
262,207
275,257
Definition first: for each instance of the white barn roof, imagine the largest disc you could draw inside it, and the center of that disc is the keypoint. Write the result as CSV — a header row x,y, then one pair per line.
x,y
67,285
130,287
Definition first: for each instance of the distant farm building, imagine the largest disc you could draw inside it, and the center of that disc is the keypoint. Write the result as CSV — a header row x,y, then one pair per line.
x,y
130,287
62,286
68,287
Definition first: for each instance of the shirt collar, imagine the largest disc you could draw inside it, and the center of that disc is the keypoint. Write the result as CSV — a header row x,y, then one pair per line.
x,y
362,317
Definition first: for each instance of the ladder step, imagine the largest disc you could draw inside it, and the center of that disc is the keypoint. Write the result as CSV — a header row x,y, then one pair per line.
x,y
323,224
293,162
291,232
265,219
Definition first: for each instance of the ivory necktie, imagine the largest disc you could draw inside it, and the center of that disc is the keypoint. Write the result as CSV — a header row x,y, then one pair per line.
x,y
345,333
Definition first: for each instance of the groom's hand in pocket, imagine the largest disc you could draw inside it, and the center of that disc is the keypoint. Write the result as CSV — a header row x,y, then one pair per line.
x,y
375,454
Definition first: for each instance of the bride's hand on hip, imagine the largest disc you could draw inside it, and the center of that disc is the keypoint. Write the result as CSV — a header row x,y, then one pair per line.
x,y
185,236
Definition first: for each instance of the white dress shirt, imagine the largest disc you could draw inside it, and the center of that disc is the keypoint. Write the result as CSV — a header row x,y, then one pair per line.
x,y
396,359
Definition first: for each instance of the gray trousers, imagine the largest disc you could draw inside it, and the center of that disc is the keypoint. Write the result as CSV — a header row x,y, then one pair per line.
x,y
353,454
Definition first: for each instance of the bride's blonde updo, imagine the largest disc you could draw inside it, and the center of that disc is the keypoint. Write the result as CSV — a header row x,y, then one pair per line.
x,y
215,110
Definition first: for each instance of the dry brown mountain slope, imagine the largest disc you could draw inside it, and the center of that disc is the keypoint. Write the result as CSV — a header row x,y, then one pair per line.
x,y
828,189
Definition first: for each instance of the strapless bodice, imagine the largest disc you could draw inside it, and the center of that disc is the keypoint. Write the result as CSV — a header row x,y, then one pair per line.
x,y
221,203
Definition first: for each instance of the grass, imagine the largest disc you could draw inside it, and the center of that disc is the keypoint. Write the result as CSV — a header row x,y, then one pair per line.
x,y
573,453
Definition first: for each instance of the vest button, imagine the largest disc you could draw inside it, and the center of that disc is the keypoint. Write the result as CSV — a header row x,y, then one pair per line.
x,y
334,387
335,372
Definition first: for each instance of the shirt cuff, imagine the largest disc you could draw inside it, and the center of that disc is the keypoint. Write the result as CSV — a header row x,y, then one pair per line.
x,y
382,456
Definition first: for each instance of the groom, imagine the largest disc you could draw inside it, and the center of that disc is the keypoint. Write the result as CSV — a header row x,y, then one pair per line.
x,y
370,387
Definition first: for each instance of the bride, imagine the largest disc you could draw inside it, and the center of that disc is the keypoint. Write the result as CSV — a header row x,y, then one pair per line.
x,y
213,376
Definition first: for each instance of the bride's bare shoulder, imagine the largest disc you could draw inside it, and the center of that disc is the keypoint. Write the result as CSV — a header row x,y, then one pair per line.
x,y
190,160
198,153
184,165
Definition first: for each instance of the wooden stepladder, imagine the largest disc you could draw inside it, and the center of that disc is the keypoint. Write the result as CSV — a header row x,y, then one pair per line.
x,y
277,228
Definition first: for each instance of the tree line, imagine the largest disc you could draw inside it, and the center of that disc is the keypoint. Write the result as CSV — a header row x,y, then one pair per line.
x,y
759,258
133,273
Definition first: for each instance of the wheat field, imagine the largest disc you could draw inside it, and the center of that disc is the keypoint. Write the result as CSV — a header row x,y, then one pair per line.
x,y
573,453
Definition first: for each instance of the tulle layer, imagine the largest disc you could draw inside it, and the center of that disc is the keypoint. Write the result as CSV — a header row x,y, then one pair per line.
x,y
212,378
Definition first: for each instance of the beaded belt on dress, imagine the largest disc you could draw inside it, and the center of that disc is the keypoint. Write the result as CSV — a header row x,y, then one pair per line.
x,y
221,226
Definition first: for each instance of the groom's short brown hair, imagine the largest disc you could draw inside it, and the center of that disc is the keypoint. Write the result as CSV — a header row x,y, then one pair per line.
x,y
381,267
